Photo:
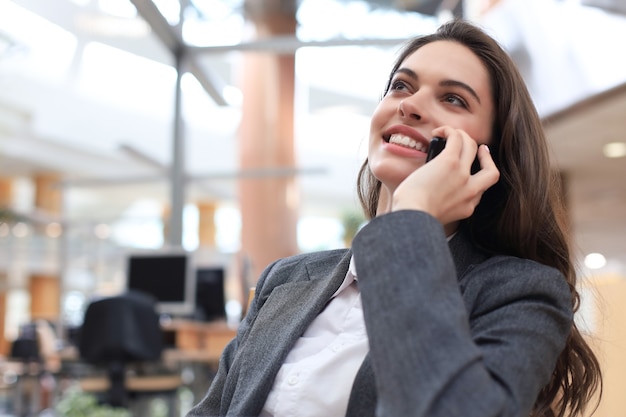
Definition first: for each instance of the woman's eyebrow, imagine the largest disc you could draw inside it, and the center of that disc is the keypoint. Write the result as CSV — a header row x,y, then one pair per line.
x,y
406,71
445,83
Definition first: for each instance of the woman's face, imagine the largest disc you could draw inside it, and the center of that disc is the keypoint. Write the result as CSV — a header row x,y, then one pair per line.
x,y
441,83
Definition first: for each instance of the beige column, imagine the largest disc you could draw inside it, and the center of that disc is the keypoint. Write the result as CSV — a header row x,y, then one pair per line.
x,y
206,223
603,312
165,217
44,293
269,205
6,192
45,289
47,193
6,199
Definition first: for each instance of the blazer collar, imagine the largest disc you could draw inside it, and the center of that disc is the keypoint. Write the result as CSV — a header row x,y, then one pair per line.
x,y
271,337
464,253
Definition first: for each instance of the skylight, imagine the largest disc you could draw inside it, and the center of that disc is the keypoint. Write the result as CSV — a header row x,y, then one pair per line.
x,y
45,49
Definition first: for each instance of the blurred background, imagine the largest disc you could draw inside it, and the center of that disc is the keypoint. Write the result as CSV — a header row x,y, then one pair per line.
x,y
234,130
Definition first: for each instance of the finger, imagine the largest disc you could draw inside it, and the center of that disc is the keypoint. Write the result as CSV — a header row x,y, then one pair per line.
x,y
452,137
484,157
469,149
489,173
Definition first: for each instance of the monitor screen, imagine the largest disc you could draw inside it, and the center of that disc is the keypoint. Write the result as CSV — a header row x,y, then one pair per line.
x,y
210,298
167,276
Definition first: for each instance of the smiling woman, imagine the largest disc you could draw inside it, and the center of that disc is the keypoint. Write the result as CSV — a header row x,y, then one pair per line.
x,y
457,297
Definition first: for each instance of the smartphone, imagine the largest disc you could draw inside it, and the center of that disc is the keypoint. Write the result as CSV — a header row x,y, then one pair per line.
x,y
436,146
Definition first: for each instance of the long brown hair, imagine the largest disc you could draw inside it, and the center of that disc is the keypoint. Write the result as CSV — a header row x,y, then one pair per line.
x,y
523,214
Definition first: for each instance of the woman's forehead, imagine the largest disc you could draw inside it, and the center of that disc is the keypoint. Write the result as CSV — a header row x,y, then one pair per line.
x,y
447,56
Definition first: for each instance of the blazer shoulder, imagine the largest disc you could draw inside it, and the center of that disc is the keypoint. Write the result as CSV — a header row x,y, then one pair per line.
x,y
297,267
332,255
503,277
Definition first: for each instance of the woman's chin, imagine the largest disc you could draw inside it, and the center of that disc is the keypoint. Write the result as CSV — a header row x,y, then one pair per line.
x,y
392,174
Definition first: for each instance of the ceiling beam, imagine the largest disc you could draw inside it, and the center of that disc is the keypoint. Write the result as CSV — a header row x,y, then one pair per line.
x,y
258,173
159,25
207,79
170,37
289,44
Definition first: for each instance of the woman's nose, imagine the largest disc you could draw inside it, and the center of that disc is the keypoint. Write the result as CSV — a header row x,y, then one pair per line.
x,y
408,109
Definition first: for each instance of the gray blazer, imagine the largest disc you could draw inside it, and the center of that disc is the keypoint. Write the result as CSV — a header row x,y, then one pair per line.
x,y
452,331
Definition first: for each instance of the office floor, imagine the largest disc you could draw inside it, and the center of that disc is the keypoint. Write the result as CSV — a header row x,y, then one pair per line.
x,y
20,398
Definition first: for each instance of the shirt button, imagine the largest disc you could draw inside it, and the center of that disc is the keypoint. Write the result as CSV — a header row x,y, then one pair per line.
x,y
336,348
293,380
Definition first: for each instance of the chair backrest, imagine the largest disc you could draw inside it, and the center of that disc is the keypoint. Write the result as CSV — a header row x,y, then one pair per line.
x,y
121,328
26,347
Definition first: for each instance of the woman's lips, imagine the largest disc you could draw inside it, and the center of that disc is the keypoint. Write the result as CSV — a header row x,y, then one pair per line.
x,y
406,141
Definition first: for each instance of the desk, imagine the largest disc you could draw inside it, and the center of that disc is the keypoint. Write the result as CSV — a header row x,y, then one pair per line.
x,y
192,341
141,390
197,347
133,383
197,341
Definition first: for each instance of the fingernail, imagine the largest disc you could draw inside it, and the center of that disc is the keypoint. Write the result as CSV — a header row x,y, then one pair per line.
x,y
487,147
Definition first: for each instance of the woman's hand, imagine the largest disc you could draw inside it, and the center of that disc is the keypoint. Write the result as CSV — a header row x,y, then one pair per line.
x,y
444,187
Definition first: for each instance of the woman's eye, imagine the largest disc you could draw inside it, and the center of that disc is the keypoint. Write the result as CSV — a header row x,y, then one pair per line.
x,y
456,100
398,85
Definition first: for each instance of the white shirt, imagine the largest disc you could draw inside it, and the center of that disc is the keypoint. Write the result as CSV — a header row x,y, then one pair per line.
x,y
317,375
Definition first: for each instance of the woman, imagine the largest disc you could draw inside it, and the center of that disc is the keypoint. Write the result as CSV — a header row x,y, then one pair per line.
x,y
457,297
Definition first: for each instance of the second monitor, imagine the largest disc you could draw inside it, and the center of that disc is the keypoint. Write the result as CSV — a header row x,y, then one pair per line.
x,y
210,298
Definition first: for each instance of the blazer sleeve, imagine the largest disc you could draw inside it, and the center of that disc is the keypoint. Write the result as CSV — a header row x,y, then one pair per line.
x,y
481,346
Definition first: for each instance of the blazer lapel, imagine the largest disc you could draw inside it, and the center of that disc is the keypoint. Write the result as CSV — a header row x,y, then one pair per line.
x,y
464,253
272,336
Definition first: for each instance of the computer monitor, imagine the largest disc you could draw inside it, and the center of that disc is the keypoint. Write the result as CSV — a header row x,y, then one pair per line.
x,y
210,297
167,276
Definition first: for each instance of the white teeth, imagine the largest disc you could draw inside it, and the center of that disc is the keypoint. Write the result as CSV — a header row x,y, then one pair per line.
x,y
407,141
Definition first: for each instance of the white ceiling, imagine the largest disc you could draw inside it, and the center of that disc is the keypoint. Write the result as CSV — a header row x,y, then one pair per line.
x,y
67,110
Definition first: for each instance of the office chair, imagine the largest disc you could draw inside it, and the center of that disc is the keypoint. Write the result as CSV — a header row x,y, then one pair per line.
x,y
116,331
26,347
